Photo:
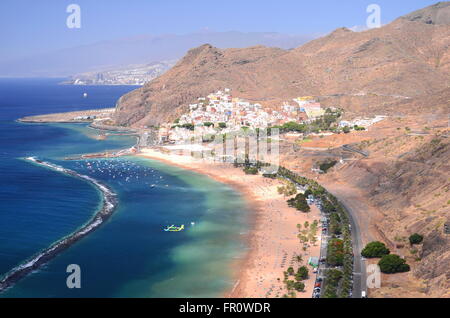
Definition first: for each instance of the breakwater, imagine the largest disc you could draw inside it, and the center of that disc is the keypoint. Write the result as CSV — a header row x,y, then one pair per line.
x,y
108,207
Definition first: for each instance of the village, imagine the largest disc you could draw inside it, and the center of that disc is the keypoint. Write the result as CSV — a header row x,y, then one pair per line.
x,y
221,113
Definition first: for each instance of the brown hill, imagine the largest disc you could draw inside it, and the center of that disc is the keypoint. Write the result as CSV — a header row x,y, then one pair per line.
x,y
406,181
435,14
359,71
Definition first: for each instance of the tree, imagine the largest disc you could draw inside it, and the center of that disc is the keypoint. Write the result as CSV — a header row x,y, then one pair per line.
x,y
375,250
300,203
290,284
346,130
335,252
222,125
327,165
288,189
251,170
393,263
415,239
188,126
308,192
302,273
299,286
290,271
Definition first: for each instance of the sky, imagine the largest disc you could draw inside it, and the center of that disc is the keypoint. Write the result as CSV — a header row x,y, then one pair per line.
x,y
30,27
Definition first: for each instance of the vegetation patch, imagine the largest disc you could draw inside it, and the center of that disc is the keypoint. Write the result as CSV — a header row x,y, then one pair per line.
x,y
415,239
375,250
300,203
327,165
392,263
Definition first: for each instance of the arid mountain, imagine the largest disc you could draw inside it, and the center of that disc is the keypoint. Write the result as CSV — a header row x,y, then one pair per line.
x,y
362,72
435,14
406,181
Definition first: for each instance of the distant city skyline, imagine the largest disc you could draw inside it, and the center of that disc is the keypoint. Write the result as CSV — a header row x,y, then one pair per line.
x,y
29,28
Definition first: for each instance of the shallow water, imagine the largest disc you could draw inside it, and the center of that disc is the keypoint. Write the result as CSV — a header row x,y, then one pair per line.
x,y
129,255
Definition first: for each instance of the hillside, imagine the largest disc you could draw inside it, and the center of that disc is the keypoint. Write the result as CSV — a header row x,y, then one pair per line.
x,y
406,182
435,14
362,72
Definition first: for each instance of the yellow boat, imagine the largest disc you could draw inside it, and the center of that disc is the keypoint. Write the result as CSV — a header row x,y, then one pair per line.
x,y
174,228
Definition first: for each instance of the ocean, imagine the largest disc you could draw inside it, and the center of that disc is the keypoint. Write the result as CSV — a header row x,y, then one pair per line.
x,y
129,255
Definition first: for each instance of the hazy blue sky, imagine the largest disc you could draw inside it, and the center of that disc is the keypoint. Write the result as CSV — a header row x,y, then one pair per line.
x,y
28,27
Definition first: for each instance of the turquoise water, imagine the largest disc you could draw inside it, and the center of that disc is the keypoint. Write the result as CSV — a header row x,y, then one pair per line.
x,y
129,255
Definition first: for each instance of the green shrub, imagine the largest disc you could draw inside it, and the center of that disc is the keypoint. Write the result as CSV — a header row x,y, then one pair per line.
x,y
300,203
251,170
325,166
374,250
290,271
308,192
392,263
335,252
302,273
299,286
415,239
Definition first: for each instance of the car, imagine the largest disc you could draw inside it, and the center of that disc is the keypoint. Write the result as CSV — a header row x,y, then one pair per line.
x,y
316,295
318,284
315,270
319,279
317,290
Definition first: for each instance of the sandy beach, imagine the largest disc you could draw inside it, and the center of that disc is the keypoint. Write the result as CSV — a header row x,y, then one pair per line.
x,y
273,242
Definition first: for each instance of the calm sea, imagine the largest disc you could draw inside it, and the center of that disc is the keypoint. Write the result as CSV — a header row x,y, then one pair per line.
x,y
129,255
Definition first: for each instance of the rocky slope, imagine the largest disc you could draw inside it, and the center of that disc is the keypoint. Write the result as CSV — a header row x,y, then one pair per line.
x,y
359,71
412,191
435,14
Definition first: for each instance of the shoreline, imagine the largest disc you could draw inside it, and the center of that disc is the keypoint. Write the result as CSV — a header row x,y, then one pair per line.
x,y
35,262
252,205
272,235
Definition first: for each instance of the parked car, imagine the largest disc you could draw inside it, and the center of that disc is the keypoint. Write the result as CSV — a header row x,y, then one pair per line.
x,y
318,284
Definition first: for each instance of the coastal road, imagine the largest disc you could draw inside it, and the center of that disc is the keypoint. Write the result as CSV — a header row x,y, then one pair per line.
x,y
359,266
349,200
